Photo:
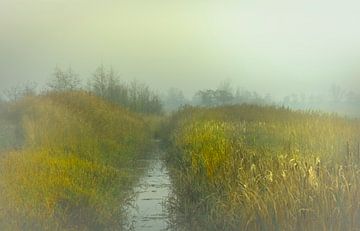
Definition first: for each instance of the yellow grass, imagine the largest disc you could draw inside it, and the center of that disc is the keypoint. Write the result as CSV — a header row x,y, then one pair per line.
x,y
72,171
262,168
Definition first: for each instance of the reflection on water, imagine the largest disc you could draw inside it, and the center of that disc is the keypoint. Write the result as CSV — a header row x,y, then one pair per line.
x,y
148,210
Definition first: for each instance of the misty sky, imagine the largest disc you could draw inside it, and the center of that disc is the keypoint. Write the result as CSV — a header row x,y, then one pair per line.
x,y
271,46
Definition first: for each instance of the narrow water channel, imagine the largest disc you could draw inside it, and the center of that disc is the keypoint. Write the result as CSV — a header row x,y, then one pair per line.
x,y
148,211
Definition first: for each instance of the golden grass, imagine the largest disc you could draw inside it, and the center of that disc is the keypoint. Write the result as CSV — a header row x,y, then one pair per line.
x,y
262,168
46,192
73,170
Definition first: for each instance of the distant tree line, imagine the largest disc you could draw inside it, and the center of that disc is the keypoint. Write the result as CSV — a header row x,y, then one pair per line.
x,y
222,95
136,96
218,97
337,100
104,83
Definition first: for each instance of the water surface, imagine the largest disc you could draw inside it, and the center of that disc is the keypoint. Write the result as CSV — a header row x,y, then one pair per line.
x,y
148,210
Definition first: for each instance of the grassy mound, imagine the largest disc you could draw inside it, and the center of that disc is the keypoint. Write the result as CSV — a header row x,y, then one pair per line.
x,y
72,170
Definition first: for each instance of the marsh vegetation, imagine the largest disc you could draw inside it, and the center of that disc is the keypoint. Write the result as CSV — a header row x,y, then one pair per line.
x,y
264,168
70,154
201,115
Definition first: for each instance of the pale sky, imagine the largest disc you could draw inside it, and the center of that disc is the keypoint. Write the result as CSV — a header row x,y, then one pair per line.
x,y
271,46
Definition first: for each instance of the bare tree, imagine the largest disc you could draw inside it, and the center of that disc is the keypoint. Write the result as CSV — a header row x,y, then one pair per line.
x,y
174,99
20,91
135,96
62,80
337,93
206,97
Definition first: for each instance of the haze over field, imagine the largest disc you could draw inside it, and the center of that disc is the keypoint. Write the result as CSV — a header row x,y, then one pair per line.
x,y
179,115
277,46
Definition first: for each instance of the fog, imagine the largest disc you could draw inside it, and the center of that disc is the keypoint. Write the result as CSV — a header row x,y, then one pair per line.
x,y
179,115
278,47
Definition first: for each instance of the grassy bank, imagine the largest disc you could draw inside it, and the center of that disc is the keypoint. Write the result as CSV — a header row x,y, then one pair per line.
x,y
71,166
264,168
